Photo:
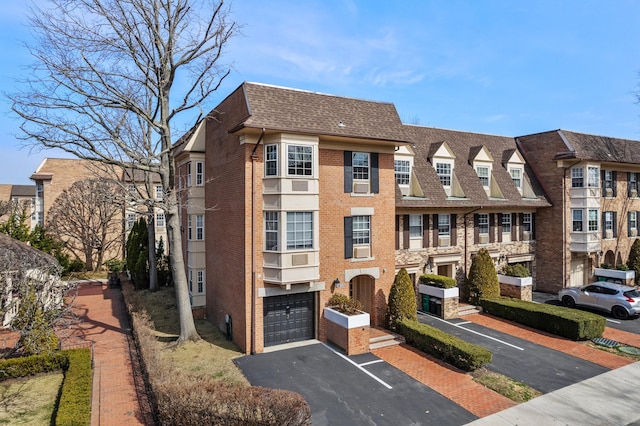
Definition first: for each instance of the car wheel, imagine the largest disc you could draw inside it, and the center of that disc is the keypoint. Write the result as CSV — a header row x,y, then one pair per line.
x,y
619,312
568,302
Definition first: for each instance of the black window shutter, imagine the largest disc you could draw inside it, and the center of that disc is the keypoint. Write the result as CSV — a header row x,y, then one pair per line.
x,y
533,226
425,230
397,232
628,224
521,226
348,237
614,183
454,230
514,230
476,228
604,232
375,185
435,230
405,231
615,224
499,226
602,185
348,172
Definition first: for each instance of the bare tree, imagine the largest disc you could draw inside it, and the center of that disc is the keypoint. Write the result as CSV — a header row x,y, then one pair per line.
x,y
105,87
88,220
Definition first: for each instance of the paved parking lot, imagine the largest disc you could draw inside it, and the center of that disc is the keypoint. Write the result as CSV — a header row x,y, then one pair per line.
x,y
357,390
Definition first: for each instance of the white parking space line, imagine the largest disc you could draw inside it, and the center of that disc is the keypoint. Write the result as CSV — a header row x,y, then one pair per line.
x,y
382,382
613,321
371,362
463,323
480,334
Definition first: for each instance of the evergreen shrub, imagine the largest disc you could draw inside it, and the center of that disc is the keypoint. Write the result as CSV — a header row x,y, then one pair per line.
x,y
402,300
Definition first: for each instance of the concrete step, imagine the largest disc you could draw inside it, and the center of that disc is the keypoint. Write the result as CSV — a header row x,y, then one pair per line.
x,y
394,340
468,310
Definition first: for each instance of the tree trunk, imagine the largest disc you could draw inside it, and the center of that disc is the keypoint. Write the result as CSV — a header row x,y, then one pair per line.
x,y
153,262
88,259
176,262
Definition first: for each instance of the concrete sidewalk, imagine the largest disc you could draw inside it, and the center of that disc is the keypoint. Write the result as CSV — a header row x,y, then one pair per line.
x,y
612,398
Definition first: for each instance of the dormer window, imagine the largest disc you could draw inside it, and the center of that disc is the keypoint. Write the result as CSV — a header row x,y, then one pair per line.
x,y
483,175
402,169
443,170
516,176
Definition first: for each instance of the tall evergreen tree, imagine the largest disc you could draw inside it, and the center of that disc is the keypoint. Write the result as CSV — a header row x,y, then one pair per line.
x,y
402,300
482,282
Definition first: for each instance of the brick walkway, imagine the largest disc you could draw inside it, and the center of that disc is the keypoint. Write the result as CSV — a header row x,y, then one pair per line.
x,y
105,324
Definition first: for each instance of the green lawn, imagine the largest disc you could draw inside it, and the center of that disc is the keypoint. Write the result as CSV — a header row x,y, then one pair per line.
x,y
29,400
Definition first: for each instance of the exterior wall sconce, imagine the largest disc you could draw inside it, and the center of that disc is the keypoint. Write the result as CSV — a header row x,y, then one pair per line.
x,y
337,283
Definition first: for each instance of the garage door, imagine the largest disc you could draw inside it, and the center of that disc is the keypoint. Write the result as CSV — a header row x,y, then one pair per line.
x,y
288,318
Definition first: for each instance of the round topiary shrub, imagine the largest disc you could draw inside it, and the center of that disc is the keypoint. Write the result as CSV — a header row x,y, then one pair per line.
x,y
482,282
402,300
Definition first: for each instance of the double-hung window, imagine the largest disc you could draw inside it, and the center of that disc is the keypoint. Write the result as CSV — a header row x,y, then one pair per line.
x,y
189,180
483,224
189,228
483,175
361,230
271,160
131,220
506,222
633,184
159,192
415,226
200,280
299,230
199,173
593,176
527,220
200,227
608,221
516,177
271,230
160,220
593,220
443,170
402,169
576,217
633,223
608,179
300,160
444,225
360,165
577,177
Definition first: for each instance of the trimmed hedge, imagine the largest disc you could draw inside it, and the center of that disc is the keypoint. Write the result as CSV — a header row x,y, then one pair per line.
x,y
30,365
437,281
74,406
182,403
573,324
444,346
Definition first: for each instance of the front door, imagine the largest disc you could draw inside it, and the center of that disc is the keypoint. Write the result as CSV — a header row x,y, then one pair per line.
x,y
362,288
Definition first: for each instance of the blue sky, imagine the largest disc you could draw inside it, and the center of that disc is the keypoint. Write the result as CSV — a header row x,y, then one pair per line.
x,y
499,67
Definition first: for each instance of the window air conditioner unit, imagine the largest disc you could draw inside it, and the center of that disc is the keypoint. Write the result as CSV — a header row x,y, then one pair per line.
x,y
608,192
634,232
526,236
361,252
483,239
361,187
444,241
608,234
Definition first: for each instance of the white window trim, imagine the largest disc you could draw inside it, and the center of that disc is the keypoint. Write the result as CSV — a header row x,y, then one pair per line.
x,y
199,227
486,167
450,174
199,173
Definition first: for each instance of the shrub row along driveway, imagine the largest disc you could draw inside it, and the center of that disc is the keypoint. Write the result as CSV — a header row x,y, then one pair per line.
x,y
340,390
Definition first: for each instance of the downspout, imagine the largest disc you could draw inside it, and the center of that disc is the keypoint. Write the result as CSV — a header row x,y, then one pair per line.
x,y
466,249
254,158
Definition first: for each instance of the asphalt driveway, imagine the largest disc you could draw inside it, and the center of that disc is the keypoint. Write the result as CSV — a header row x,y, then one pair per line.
x,y
357,390
542,368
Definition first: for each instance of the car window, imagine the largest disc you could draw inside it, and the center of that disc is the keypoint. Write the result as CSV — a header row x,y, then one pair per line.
x,y
592,289
632,293
610,291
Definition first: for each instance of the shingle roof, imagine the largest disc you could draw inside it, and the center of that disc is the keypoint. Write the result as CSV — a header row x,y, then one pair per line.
x,y
602,148
18,255
465,146
23,190
284,109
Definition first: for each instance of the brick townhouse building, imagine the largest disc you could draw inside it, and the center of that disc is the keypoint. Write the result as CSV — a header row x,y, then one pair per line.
x,y
299,197
592,182
458,192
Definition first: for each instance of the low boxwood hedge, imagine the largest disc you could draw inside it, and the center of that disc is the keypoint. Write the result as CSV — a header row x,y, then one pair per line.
x,y
444,346
29,365
573,324
437,281
74,406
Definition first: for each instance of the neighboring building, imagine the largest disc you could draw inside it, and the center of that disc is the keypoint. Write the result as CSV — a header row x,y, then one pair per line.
x,y
299,200
21,196
592,182
458,192
22,265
